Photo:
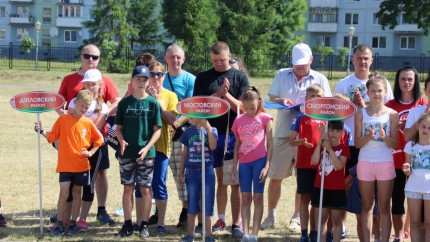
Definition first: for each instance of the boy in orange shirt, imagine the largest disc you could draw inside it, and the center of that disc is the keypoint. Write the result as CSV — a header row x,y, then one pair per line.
x,y
76,134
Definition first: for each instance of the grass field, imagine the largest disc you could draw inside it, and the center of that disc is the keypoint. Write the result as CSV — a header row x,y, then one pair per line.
x,y
19,190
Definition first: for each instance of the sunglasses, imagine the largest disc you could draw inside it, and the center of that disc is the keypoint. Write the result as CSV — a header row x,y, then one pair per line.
x,y
87,56
156,74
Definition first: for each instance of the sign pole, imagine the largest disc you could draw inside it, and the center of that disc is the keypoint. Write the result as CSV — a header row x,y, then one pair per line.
x,y
322,187
40,175
202,130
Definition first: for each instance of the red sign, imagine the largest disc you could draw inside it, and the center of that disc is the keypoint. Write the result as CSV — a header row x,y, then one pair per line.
x,y
37,101
203,107
328,108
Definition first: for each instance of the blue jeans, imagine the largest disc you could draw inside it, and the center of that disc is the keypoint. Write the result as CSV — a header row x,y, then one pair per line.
x,y
193,180
159,186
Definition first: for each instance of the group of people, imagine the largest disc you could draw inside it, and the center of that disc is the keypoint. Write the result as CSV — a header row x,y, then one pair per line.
x,y
369,155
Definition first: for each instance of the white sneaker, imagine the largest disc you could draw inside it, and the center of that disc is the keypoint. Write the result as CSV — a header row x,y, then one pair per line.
x,y
245,238
294,226
253,238
268,223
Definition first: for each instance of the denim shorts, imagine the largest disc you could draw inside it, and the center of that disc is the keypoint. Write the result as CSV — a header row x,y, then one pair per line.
x,y
193,180
249,174
159,187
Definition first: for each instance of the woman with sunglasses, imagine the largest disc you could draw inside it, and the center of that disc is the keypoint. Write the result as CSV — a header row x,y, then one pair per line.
x,y
168,101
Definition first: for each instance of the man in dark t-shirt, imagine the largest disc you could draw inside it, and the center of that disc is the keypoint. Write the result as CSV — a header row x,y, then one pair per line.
x,y
227,83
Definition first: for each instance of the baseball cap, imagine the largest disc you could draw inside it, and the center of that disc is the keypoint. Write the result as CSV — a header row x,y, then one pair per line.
x,y
139,71
301,54
92,75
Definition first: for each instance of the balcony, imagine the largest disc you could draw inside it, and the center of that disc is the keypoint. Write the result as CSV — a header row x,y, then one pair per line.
x,y
322,27
17,20
69,22
22,1
407,28
65,2
323,3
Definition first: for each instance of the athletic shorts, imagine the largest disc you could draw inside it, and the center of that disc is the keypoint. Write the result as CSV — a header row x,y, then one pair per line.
x,y
333,199
132,172
305,180
104,162
375,171
77,178
249,176
283,159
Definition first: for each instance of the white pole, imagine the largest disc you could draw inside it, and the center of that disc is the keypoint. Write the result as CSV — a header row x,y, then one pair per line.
x,y
40,175
202,129
322,186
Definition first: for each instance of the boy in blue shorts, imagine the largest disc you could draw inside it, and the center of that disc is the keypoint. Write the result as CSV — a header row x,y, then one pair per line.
x,y
76,134
305,135
190,173
138,121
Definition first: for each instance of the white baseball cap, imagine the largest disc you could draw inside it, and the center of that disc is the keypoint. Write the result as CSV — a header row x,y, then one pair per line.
x,y
93,75
301,54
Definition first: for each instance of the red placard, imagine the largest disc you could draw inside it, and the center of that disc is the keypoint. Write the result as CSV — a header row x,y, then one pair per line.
x,y
37,101
328,108
203,107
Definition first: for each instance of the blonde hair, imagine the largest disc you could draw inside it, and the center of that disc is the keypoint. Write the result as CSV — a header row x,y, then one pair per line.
x,y
156,64
99,98
86,96
314,88
342,96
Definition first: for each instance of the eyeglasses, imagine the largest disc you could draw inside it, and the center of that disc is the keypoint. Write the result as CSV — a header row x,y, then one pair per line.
x,y
156,74
87,56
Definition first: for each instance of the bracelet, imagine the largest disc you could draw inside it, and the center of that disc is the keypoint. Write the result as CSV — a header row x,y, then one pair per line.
x,y
40,132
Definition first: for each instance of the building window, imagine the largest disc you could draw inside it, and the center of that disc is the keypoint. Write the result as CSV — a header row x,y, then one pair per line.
x,y
407,42
21,33
322,15
376,20
346,41
23,11
47,20
379,42
70,35
351,18
69,11
402,19
2,11
325,41
2,34
47,11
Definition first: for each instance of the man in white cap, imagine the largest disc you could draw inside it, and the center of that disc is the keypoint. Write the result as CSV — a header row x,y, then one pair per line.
x,y
288,87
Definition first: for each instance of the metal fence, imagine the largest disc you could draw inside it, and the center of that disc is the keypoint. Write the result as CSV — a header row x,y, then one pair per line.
x,y
67,58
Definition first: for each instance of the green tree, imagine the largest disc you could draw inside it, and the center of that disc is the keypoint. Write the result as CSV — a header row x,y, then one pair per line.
x,y
194,22
323,51
27,44
262,31
341,54
415,11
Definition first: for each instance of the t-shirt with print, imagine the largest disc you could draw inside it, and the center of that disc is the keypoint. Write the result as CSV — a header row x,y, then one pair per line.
x,y
74,134
182,83
306,127
285,85
208,82
403,110
168,100
252,135
138,118
191,138
419,179
334,179
348,86
92,115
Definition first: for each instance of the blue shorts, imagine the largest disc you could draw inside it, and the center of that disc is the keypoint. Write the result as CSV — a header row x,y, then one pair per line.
x,y
305,180
193,180
219,151
76,178
353,204
249,174
159,186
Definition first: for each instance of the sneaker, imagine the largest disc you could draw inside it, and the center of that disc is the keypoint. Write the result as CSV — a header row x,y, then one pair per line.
x,y
344,234
218,226
58,231
53,218
294,226
82,225
268,223
304,238
125,231
253,238
54,226
104,218
3,222
182,219
136,228
209,238
161,230
153,219
143,232
72,230
396,240
313,236
329,237
198,230
245,238
187,238
237,232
